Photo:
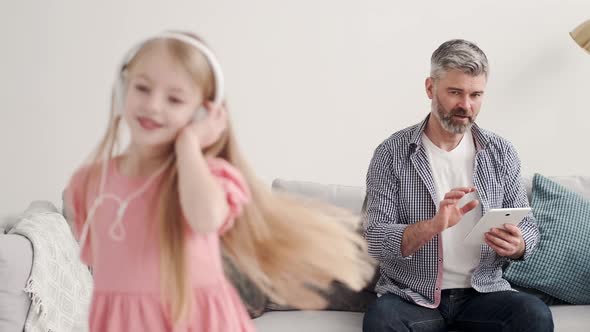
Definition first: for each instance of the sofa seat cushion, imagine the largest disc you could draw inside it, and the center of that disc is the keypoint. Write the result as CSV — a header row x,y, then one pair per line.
x,y
309,321
571,317
566,318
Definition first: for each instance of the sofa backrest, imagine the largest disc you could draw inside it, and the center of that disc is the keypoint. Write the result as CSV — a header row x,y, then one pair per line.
x,y
579,184
352,197
347,197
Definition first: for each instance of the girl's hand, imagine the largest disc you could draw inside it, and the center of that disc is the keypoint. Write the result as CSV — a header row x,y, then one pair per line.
x,y
202,198
209,128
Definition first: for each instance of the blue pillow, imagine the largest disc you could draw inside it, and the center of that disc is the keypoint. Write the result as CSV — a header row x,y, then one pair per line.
x,y
560,265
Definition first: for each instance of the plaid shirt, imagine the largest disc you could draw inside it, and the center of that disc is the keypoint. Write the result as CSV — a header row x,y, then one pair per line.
x,y
401,191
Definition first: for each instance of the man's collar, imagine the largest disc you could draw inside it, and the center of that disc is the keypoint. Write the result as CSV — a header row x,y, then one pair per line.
x,y
416,139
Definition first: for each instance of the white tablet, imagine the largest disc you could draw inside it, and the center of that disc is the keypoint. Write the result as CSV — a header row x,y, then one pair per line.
x,y
495,218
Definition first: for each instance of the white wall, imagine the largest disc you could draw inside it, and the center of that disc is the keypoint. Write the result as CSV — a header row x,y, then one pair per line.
x,y
313,85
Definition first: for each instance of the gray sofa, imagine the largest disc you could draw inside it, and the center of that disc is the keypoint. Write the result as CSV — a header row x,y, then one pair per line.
x,y
16,255
566,317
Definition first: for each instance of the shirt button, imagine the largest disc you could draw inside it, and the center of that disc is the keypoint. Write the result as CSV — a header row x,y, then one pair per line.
x,y
440,259
437,288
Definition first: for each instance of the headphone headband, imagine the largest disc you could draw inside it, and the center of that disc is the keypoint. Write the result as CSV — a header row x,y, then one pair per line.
x,y
215,66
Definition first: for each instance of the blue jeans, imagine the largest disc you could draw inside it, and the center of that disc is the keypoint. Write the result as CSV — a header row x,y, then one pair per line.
x,y
461,309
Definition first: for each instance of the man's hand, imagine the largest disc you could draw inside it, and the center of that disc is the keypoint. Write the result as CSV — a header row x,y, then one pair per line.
x,y
506,241
448,215
449,212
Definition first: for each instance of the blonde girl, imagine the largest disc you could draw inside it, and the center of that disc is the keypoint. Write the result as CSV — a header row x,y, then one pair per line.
x,y
152,218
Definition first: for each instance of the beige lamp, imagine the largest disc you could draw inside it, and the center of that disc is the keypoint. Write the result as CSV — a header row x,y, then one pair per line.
x,y
581,34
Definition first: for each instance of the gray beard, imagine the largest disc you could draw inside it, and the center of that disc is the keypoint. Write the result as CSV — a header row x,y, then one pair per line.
x,y
446,120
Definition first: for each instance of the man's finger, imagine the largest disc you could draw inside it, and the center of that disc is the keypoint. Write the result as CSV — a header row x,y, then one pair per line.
x,y
447,202
513,229
469,206
499,242
454,194
466,190
506,236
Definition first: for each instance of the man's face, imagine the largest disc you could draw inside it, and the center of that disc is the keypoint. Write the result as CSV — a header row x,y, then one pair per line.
x,y
456,99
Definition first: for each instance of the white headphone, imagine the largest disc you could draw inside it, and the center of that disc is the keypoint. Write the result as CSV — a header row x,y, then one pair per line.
x,y
119,88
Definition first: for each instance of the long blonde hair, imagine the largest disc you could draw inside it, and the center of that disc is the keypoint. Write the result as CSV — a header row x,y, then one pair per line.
x,y
288,248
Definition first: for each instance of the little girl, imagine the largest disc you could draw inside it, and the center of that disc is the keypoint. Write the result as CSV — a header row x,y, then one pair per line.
x,y
150,219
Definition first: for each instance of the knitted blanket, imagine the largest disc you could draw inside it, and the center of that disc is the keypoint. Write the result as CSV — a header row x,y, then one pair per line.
x,y
60,285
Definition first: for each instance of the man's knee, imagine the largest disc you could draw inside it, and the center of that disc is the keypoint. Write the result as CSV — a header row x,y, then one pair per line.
x,y
383,315
533,312
538,313
391,313
378,316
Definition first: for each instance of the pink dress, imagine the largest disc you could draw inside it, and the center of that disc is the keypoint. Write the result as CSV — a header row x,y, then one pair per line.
x,y
127,272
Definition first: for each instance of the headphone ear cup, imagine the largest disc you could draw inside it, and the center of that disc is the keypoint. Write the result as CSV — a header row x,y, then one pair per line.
x,y
200,114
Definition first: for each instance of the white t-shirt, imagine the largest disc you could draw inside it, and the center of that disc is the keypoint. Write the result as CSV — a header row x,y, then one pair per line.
x,y
452,169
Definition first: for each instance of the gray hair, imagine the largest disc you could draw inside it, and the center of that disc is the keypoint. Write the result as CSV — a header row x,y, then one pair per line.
x,y
461,55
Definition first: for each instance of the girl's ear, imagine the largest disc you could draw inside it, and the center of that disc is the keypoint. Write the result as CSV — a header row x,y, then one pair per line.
x,y
218,115
200,114
211,128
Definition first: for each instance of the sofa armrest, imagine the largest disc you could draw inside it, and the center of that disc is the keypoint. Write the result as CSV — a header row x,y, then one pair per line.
x,y
16,259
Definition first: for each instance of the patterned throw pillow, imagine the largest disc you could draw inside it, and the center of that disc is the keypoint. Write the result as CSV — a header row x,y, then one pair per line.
x,y
340,298
560,266
252,297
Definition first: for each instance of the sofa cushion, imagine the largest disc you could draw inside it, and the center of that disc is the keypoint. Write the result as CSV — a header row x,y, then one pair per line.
x,y
310,321
578,184
559,267
567,318
16,258
340,298
346,197
252,297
